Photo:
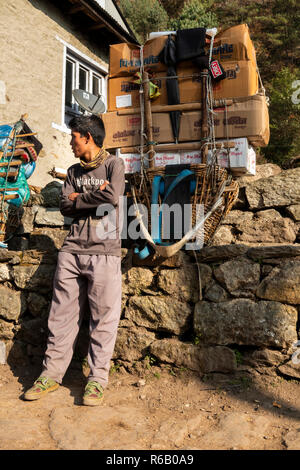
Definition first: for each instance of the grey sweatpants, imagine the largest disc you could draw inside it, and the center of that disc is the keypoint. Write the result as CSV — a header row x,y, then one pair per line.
x,y
78,279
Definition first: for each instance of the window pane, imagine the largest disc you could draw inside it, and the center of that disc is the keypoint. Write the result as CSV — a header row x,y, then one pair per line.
x,y
83,79
69,82
96,85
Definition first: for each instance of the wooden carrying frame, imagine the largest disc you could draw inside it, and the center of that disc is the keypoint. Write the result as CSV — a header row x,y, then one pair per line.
x,y
215,190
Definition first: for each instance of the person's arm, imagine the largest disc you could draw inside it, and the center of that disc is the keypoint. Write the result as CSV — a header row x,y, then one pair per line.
x,y
67,200
109,194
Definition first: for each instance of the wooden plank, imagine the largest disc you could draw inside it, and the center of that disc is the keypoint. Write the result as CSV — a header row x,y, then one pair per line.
x,y
9,173
9,196
11,154
173,107
75,9
148,117
96,26
12,163
179,146
8,189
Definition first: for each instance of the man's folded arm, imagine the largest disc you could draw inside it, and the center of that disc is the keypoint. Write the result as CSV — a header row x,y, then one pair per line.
x,y
66,206
109,195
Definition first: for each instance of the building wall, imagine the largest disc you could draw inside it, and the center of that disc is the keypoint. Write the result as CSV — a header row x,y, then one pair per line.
x,y
31,75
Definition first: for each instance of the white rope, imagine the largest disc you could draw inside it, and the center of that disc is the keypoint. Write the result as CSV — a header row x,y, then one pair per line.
x,y
142,114
162,250
209,105
262,88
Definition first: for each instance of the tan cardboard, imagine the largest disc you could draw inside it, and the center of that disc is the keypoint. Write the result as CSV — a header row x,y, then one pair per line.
x,y
246,117
241,80
125,58
125,131
234,44
124,93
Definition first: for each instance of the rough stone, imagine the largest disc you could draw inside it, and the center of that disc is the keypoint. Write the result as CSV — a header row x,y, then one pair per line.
x,y
282,284
212,254
194,357
2,353
291,368
39,257
184,283
11,257
265,170
49,195
51,216
240,277
136,279
6,330
158,313
223,235
246,322
294,212
37,304
235,217
278,191
27,220
12,303
267,357
33,276
18,243
4,273
16,353
132,343
47,239
279,251
216,293
279,229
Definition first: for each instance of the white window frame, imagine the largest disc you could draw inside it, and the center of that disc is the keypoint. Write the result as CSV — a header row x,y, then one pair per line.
x,y
92,67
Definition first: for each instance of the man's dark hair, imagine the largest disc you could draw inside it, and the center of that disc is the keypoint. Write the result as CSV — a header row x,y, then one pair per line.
x,y
89,124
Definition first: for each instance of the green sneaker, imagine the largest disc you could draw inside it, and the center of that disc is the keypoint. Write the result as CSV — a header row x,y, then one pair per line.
x,y
93,394
41,387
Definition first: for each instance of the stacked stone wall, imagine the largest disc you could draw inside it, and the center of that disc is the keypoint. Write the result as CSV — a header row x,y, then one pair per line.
x,y
236,300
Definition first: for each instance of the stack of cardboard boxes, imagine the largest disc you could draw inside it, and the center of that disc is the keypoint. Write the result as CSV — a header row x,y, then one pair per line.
x,y
245,121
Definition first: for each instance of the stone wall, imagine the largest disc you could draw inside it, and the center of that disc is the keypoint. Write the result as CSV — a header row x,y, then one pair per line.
x,y
238,298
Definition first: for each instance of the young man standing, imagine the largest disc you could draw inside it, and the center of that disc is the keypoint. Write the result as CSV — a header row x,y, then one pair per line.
x,y
89,263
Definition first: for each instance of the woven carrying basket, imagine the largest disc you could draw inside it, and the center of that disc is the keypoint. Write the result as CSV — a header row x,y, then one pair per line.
x,y
209,181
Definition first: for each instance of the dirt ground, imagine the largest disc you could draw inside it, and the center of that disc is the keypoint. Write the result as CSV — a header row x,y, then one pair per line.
x,y
153,408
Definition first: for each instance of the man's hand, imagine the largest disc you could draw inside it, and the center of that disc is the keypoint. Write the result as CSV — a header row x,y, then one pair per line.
x,y
73,196
103,186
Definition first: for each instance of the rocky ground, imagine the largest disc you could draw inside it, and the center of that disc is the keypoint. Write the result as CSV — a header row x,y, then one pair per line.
x,y
154,408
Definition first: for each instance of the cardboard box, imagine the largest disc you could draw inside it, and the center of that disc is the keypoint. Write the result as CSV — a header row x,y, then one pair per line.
x,y
246,117
241,159
132,161
241,80
125,131
191,157
124,93
125,58
234,44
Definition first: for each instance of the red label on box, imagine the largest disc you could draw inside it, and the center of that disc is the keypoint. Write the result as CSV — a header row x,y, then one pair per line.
x,y
215,69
